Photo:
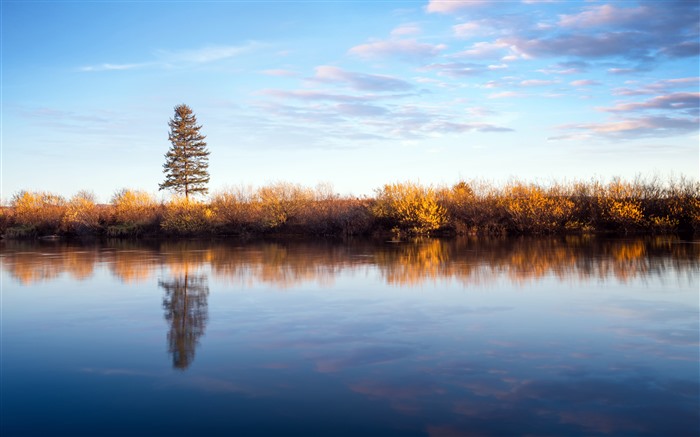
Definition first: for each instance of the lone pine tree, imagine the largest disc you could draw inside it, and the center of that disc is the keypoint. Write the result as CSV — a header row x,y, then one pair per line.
x,y
187,161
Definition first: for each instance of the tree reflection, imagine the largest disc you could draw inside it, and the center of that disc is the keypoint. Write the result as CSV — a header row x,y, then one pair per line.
x,y
288,264
186,310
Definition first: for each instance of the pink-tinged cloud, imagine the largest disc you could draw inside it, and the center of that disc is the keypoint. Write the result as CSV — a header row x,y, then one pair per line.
x,y
579,45
606,15
584,82
675,101
452,6
642,127
359,81
406,30
457,69
472,28
538,82
483,50
405,49
659,86
455,127
280,73
310,95
505,95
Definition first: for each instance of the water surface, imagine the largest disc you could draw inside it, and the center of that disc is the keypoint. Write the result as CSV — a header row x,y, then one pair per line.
x,y
566,336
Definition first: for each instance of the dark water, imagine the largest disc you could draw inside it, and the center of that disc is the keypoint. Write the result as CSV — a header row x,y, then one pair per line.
x,y
511,337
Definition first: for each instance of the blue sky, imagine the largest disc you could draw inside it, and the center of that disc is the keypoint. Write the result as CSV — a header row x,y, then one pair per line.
x,y
355,93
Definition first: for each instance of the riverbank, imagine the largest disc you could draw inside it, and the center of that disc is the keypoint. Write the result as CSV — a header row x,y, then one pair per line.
x,y
398,210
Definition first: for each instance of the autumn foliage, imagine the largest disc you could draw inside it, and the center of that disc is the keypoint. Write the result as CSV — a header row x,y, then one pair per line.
x,y
399,209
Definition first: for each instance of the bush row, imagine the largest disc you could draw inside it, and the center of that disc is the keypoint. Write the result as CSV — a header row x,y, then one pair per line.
x,y
409,208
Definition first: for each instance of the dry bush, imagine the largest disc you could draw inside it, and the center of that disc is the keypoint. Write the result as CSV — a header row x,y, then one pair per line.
x,y
134,207
38,212
531,209
236,210
282,203
620,207
330,214
411,207
133,212
82,214
185,216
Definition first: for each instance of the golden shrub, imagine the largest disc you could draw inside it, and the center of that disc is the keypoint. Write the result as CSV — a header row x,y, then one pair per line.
x,y
186,216
82,215
134,207
282,202
414,208
40,210
532,209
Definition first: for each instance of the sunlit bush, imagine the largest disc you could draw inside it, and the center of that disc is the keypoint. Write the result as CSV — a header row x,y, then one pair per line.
x,y
133,213
236,210
531,209
134,207
412,207
186,216
281,203
39,212
82,215
620,207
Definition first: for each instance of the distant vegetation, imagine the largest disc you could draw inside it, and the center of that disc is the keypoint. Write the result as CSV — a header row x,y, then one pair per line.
x,y
400,209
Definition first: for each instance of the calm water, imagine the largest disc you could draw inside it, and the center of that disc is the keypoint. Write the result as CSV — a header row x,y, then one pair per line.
x,y
510,337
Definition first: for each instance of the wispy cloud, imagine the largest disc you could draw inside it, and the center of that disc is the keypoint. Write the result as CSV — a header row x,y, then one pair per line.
x,y
606,15
641,127
406,30
114,67
404,49
505,95
537,82
312,95
280,72
457,69
359,81
677,101
452,6
658,86
484,50
584,82
183,58
206,55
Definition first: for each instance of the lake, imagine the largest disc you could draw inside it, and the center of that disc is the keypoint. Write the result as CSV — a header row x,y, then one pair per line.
x,y
529,336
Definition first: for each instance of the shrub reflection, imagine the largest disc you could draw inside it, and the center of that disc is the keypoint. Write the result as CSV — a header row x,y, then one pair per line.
x,y
286,264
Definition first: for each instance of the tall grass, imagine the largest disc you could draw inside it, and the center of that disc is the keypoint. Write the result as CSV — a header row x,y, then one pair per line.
x,y
408,208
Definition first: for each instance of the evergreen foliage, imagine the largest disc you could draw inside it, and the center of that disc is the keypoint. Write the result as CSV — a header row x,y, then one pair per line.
x,y
187,161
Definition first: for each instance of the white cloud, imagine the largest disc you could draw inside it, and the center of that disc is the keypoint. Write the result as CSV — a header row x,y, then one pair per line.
x,y
659,86
206,54
166,59
280,72
359,81
113,67
633,128
452,6
406,29
471,29
483,50
584,82
675,101
505,95
406,49
605,15
538,82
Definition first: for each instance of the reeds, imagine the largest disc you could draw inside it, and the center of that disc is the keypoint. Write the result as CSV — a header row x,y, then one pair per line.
x,y
468,207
